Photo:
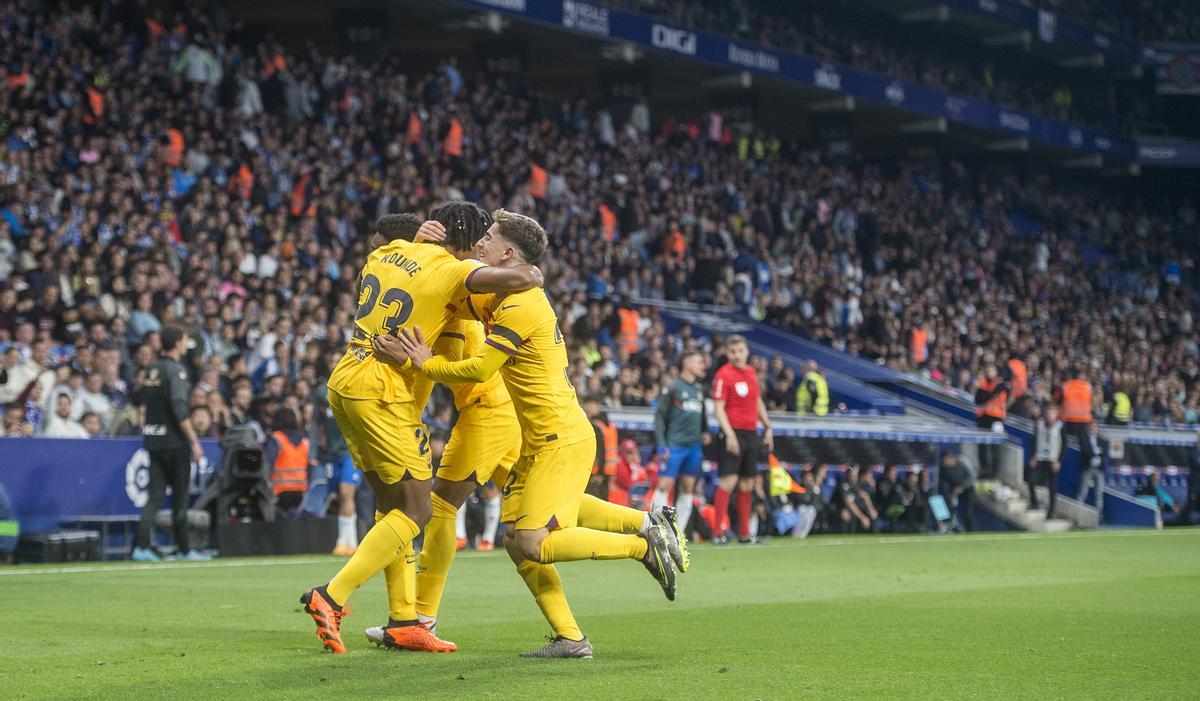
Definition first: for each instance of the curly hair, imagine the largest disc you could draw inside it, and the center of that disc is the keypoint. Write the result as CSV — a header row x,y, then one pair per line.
x,y
465,223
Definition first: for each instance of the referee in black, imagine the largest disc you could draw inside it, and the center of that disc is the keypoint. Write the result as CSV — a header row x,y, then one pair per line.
x,y
167,434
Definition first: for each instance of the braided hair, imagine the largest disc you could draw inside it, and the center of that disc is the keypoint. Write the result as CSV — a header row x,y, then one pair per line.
x,y
465,223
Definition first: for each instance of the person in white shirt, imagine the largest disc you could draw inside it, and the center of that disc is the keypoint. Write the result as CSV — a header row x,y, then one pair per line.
x,y
59,424
92,400
1048,445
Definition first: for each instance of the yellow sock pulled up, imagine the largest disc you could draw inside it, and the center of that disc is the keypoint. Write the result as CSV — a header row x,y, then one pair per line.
x,y
387,539
437,555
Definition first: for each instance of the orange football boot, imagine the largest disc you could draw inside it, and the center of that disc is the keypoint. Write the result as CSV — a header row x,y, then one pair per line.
x,y
328,619
485,546
460,543
416,637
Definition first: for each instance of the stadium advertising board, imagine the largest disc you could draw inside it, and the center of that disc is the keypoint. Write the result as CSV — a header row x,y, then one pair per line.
x,y
52,479
577,16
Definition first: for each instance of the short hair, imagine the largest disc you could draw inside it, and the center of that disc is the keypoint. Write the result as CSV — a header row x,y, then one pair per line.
x,y
736,340
687,354
170,337
523,232
398,226
465,222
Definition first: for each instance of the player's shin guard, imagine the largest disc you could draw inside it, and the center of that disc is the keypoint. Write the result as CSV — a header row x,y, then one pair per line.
x,y
347,537
547,589
605,516
388,537
436,556
570,544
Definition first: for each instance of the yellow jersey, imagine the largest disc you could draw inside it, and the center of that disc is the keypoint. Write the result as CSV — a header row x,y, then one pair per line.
x,y
464,339
402,285
525,344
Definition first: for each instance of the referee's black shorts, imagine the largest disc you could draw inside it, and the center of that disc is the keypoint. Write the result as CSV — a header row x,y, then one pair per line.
x,y
745,463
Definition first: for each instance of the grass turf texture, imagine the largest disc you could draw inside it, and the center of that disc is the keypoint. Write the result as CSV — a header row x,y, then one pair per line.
x,y
1092,615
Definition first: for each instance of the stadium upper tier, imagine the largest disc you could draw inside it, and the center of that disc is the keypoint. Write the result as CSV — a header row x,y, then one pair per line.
x,y
166,171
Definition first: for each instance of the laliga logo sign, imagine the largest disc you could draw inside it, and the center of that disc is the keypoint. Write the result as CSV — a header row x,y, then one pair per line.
x,y
137,477
674,39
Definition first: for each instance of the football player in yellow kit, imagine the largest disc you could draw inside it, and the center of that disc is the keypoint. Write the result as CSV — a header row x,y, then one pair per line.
x,y
484,444
379,411
548,518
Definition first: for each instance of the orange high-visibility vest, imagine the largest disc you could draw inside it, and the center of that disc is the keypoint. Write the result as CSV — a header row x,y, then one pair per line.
x,y
997,406
95,105
539,180
244,181
453,145
290,472
919,346
1076,401
1020,377
175,147
611,455
300,199
413,133
630,320
608,222
677,244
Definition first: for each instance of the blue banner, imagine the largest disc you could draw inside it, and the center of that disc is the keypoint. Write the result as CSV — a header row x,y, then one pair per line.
x,y
52,479
1050,28
582,17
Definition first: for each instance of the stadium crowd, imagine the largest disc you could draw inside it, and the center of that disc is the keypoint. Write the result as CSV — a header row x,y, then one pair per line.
x,y
872,41
174,169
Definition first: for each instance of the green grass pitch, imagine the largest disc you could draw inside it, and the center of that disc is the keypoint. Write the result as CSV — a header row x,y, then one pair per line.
x,y
1112,615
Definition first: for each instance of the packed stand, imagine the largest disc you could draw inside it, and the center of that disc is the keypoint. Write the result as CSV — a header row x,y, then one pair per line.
x,y
868,41
162,170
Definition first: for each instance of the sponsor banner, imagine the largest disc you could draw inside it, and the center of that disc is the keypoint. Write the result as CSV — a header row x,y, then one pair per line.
x,y
52,479
577,16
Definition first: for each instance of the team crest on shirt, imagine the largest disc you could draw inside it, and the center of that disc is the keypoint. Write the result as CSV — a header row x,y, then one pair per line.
x,y
741,388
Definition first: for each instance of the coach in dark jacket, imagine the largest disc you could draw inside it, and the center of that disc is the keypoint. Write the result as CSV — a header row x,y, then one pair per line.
x,y
957,483
171,442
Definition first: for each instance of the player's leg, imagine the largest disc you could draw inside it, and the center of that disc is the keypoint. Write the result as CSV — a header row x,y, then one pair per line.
x,y
547,529
686,485
490,494
348,479
668,471
437,553
394,448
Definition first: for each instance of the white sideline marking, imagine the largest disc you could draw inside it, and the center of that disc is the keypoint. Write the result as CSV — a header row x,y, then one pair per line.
x,y
789,542
776,542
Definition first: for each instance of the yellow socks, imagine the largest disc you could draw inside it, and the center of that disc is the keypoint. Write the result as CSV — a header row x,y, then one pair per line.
x,y
401,577
388,538
436,557
546,586
571,544
606,516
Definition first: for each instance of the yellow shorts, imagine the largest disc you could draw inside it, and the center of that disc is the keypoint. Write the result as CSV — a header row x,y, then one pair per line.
x,y
545,488
484,445
386,438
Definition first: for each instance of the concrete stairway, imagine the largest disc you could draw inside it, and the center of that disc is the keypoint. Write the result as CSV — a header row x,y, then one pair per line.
x,y
1012,505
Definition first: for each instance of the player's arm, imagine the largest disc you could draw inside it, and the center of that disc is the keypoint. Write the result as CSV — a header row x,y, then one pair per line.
x,y
442,369
451,343
490,278
719,390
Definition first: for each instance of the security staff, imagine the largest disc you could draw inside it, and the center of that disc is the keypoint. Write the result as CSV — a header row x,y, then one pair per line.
x,y
167,435
813,395
991,408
